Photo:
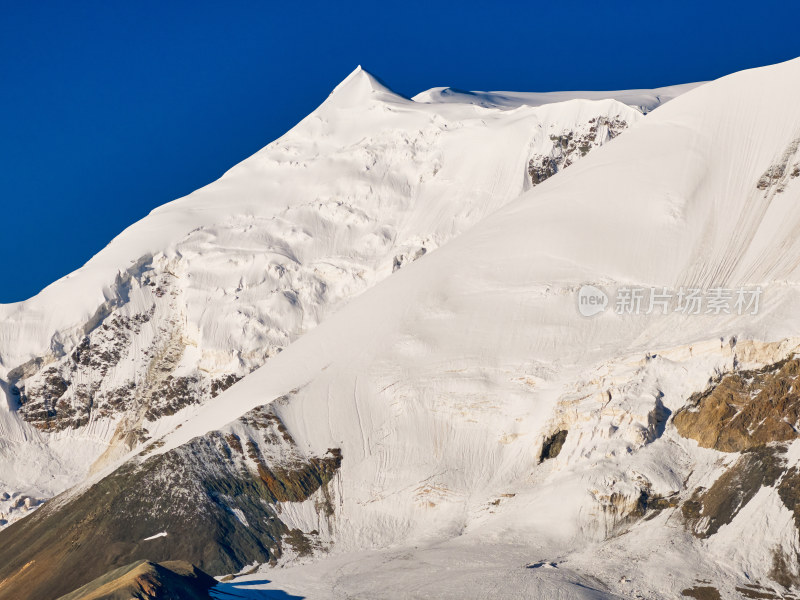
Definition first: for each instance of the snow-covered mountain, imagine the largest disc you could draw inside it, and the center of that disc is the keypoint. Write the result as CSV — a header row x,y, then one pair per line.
x,y
482,419
462,426
643,100
209,287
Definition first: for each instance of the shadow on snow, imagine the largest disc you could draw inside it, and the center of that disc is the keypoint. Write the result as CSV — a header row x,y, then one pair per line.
x,y
246,589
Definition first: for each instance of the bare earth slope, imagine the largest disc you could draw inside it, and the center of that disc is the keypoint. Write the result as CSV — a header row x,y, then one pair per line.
x,y
148,581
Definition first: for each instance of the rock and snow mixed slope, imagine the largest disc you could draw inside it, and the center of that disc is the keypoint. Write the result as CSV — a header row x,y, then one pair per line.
x,y
442,385
209,287
461,422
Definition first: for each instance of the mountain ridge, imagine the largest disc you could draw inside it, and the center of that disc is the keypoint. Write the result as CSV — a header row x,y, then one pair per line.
x,y
429,400
208,287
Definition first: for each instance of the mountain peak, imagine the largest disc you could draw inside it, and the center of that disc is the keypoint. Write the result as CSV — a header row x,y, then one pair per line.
x,y
361,85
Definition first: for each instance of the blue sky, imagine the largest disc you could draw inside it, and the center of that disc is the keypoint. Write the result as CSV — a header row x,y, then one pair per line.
x,y
110,109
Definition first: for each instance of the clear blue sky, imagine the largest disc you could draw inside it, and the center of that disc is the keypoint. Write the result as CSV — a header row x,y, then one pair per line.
x,y
112,108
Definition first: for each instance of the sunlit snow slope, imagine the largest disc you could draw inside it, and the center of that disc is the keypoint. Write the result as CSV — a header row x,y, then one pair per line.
x,y
643,100
459,429
209,287
444,384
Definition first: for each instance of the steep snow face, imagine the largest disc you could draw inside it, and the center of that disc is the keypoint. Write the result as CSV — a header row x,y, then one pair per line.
x,y
365,149
442,384
209,287
364,137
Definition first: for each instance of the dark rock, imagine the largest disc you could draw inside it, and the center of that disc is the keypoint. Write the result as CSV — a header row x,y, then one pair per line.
x,y
553,444
708,510
703,592
572,145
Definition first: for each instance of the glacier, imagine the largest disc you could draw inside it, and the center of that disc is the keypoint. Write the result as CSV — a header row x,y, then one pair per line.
x,y
389,298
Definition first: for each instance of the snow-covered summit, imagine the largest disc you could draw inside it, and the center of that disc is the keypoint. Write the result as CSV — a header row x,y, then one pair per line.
x,y
447,387
207,288
361,84
339,154
409,406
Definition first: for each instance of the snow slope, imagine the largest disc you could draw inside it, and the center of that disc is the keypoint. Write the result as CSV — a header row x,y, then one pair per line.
x,y
438,393
324,163
643,100
441,383
209,287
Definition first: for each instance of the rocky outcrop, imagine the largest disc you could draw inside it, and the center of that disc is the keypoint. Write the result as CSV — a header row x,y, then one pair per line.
x,y
130,365
709,509
216,502
778,175
572,145
145,580
553,444
755,413
405,258
745,409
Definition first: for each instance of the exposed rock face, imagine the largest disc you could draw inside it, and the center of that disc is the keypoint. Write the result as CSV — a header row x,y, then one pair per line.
x,y
571,145
755,413
777,176
745,409
129,362
789,492
553,444
708,510
218,500
145,580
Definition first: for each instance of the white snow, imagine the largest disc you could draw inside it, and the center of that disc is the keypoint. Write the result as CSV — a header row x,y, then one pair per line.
x,y
643,100
239,514
280,242
156,536
440,383
384,172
